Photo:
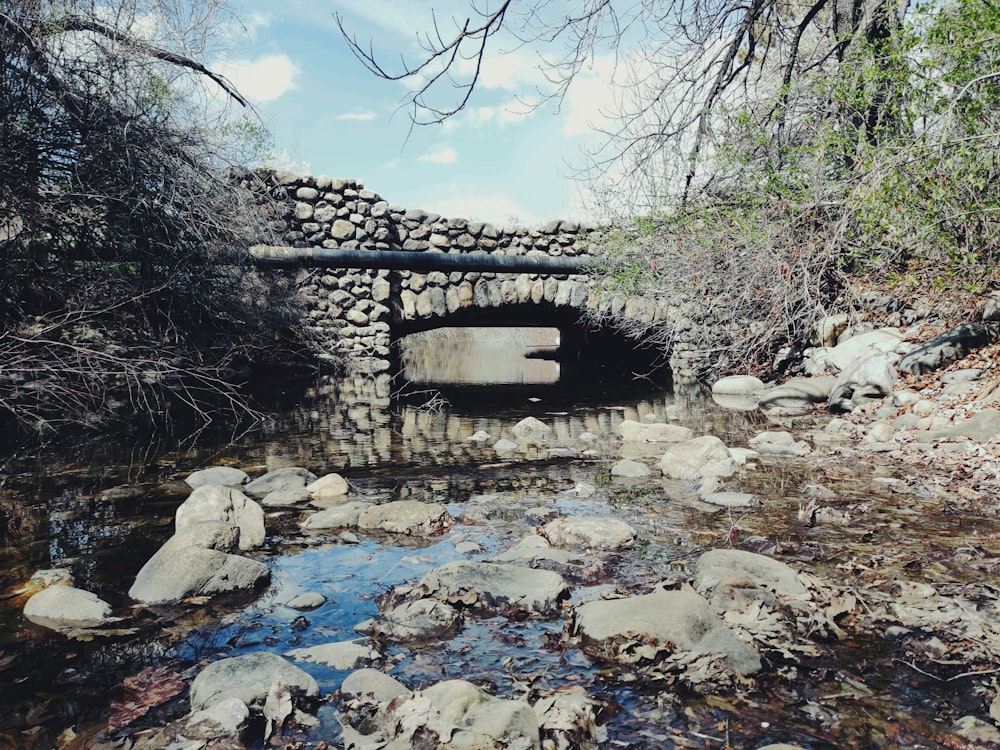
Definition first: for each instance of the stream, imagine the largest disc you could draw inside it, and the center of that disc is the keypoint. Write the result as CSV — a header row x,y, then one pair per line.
x,y
102,507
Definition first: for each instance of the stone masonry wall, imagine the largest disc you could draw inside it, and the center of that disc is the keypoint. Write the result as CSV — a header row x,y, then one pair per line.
x,y
354,314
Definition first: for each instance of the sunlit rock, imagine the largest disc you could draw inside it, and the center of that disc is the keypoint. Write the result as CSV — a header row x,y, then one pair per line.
x,y
287,478
330,485
779,443
307,601
700,457
371,686
590,531
629,469
249,678
531,430
644,629
737,385
225,475
798,392
884,341
731,499
867,379
337,517
213,502
339,655
420,620
405,517
720,565
496,585
660,432
226,718
65,606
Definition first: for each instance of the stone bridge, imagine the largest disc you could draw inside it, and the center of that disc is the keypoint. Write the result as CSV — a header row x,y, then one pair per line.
x,y
360,314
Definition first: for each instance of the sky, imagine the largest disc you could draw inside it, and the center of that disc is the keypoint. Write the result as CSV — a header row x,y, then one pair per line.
x,y
497,160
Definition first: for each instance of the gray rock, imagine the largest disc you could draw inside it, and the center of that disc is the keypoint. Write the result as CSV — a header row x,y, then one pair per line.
x,y
285,498
503,445
225,475
975,730
882,341
638,432
307,601
700,457
738,385
779,443
64,606
341,655
288,478
329,485
371,686
867,379
721,565
531,430
662,622
981,426
590,531
249,678
214,502
226,718
798,392
405,517
179,570
337,517
420,620
497,585
949,347
629,469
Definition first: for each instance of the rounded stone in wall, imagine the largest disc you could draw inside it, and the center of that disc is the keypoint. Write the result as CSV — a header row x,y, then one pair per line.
x,y
307,193
380,209
356,317
304,211
437,278
342,230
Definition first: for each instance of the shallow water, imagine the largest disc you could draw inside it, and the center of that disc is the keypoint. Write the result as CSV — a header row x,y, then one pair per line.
x,y
102,509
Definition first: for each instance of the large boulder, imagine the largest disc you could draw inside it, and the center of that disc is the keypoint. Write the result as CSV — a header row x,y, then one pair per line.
x,y
949,347
405,517
720,566
180,569
737,385
867,379
700,457
249,677
644,628
887,341
496,585
798,392
59,607
420,620
287,478
215,502
657,432
225,475
596,532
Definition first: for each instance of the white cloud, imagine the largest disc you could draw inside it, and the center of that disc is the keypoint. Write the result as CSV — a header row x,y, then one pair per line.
x,y
358,116
446,155
264,79
590,97
496,208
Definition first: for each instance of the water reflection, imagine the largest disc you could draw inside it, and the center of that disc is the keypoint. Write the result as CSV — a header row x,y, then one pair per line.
x,y
481,356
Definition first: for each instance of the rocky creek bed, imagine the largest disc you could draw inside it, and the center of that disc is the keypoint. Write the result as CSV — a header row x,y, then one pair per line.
x,y
640,574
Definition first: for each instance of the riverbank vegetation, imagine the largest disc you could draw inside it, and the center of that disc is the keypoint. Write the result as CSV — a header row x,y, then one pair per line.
x,y
124,282
781,155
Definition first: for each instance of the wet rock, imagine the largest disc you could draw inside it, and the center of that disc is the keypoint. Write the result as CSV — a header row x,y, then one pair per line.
x,y
868,379
180,569
629,469
738,385
949,347
531,430
288,478
405,517
340,655
496,585
420,620
705,456
590,531
249,678
330,485
307,601
480,436
798,392
779,443
503,445
214,502
285,498
226,718
658,432
224,475
644,628
338,517
65,606
720,565
450,714
371,686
